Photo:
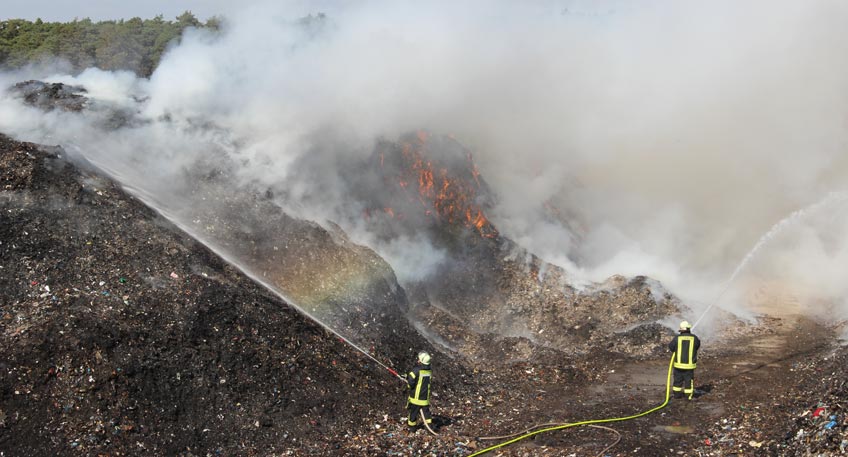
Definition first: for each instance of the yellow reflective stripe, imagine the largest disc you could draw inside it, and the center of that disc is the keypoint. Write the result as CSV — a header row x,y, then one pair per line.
x,y
691,349
424,374
415,399
678,362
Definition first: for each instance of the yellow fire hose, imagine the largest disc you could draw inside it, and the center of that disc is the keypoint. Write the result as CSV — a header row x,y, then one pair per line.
x,y
593,421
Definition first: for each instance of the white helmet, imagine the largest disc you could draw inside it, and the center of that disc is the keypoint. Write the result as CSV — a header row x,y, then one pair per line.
x,y
424,358
685,325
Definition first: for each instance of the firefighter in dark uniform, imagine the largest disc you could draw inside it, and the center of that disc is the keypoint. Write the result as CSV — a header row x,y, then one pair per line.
x,y
418,381
685,347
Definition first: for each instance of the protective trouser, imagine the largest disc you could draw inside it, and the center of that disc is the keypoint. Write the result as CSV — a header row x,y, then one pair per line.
x,y
412,421
684,383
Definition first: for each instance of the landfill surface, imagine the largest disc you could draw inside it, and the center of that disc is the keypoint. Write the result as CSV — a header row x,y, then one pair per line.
x,y
122,335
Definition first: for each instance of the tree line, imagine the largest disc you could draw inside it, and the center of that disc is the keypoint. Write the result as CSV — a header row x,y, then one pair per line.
x,y
133,44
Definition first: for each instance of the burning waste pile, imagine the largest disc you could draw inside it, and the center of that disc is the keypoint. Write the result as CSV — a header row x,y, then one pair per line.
x,y
490,298
538,254
486,297
515,325
491,302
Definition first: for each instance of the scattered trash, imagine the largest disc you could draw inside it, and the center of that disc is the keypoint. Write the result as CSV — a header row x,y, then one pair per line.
x,y
174,275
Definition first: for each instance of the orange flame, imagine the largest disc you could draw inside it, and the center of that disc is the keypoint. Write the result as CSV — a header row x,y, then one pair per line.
x,y
441,196
425,182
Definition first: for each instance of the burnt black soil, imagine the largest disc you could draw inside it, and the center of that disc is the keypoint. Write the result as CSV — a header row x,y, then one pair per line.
x,y
121,335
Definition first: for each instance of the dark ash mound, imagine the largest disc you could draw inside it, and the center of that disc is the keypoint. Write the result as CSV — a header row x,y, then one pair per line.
x,y
120,334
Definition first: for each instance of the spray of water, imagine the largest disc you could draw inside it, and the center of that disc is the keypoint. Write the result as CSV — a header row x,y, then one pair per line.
x,y
833,198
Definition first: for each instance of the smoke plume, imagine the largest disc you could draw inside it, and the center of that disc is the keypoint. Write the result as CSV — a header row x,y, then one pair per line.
x,y
670,136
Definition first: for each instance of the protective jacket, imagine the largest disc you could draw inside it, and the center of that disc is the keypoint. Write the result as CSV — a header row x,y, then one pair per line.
x,y
685,347
418,380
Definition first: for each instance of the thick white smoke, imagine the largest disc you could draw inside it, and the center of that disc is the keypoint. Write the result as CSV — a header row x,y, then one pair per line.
x,y
674,134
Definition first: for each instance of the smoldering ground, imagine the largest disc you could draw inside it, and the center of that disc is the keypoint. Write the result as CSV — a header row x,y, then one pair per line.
x,y
675,135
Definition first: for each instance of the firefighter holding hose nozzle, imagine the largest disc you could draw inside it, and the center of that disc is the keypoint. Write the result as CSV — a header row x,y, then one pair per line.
x,y
418,382
685,346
